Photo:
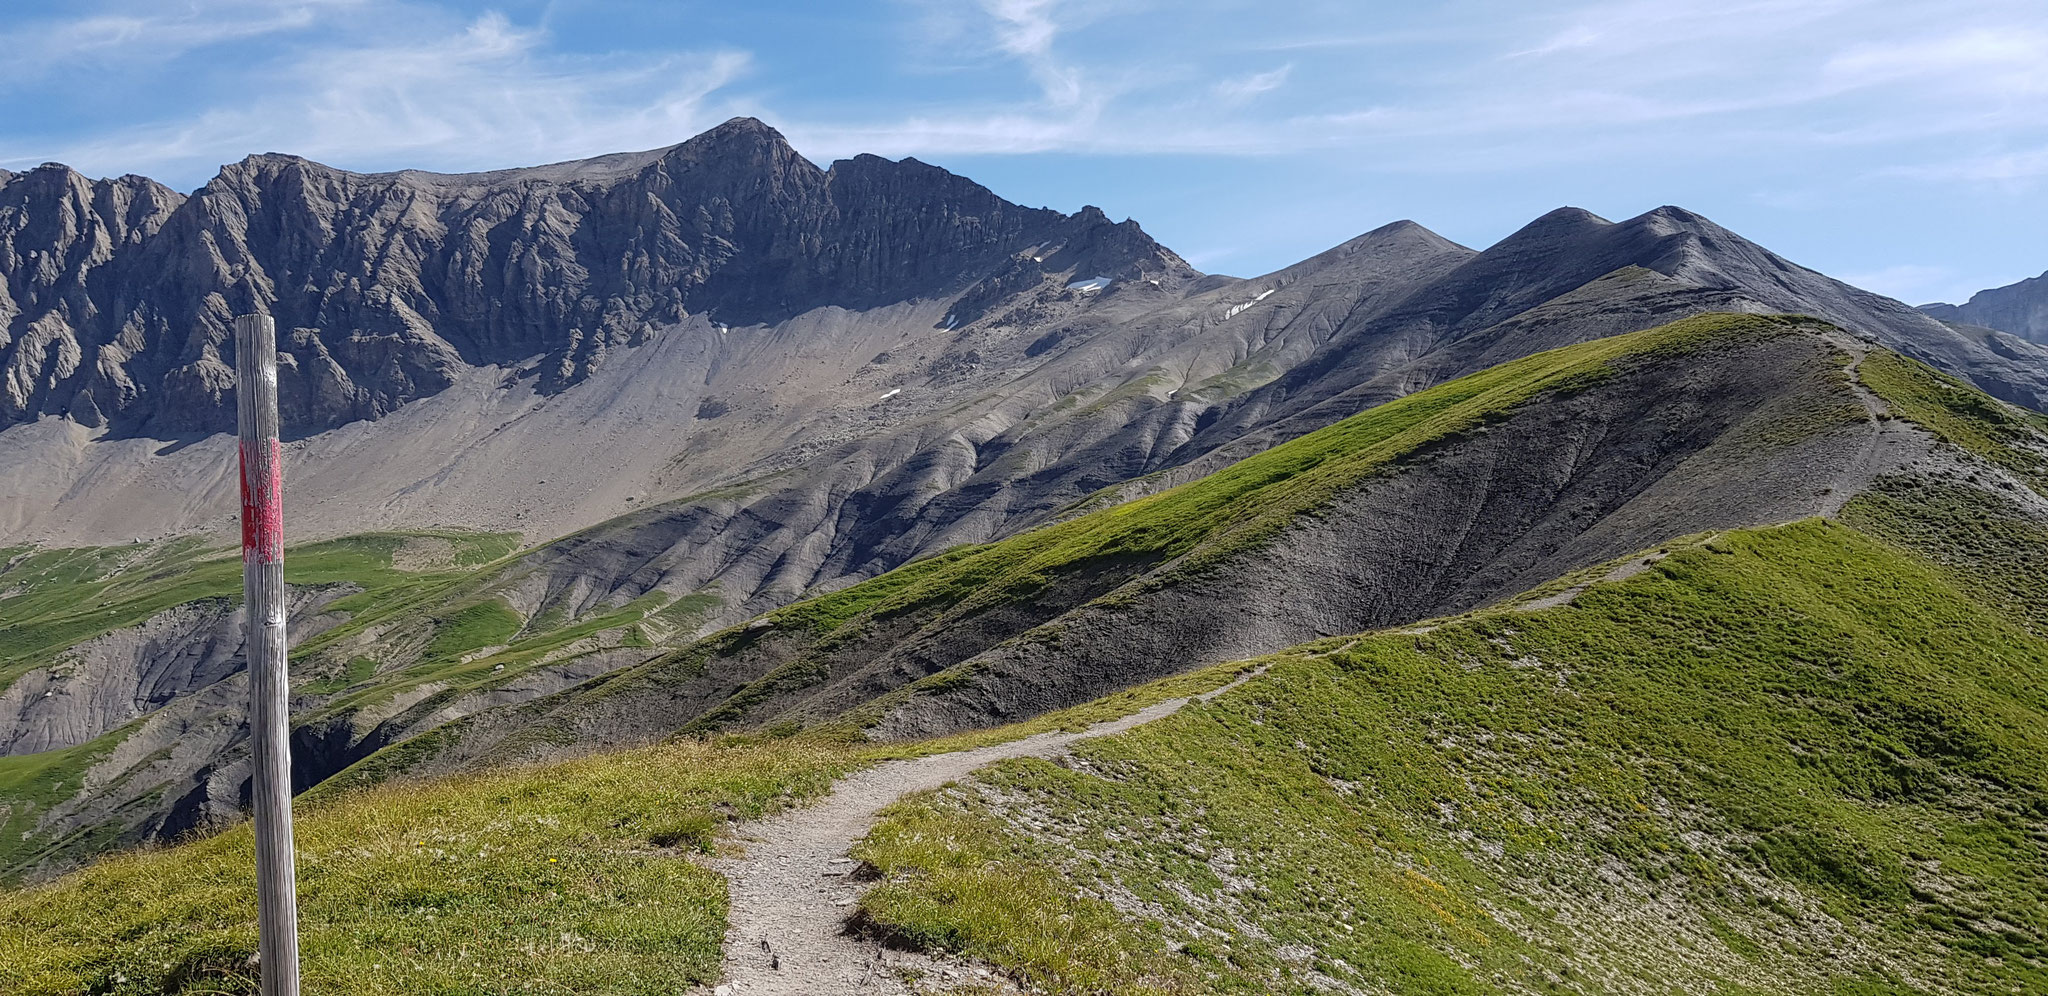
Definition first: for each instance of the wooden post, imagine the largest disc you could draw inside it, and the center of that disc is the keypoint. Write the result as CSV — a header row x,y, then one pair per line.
x,y
277,904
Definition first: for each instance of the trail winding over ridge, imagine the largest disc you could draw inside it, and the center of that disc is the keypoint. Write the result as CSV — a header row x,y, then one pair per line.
x,y
791,895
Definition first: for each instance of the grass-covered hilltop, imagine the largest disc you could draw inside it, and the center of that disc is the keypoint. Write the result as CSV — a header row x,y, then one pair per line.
x,y
1712,658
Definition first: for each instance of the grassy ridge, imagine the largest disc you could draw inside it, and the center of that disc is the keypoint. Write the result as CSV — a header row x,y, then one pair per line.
x,y
1789,760
1778,761
2003,434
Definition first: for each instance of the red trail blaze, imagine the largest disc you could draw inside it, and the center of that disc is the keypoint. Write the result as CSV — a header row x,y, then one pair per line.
x,y
262,504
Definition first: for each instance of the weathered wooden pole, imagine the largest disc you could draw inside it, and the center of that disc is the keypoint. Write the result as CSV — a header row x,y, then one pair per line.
x,y
277,903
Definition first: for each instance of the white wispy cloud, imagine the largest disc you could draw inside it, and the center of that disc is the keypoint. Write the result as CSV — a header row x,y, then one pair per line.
x,y
2004,64
2022,167
1464,89
481,94
1238,90
1602,78
151,32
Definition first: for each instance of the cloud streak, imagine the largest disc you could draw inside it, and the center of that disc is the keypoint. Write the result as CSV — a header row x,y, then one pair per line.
x,y
483,94
1125,77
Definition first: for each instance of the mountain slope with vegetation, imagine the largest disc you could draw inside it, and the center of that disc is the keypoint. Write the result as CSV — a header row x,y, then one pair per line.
x,y
1761,758
1448,499
1444,500
1789,760
689,387
1802,758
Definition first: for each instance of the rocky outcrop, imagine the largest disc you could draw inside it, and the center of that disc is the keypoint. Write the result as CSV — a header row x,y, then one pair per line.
x,y
68,246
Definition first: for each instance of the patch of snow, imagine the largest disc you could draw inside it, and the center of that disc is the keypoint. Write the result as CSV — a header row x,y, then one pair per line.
x,y
1090,285
950,322
1238,309
892,394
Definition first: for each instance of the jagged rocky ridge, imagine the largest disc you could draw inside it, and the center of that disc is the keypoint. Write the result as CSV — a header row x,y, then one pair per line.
x,y
387,286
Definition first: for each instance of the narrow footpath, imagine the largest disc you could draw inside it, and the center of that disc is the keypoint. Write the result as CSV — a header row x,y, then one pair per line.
x,y
792,893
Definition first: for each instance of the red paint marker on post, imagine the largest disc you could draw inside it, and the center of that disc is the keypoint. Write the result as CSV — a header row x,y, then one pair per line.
x,y
277,904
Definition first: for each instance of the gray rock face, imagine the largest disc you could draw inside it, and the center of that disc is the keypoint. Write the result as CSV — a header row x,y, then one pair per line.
x,y
2020,309
120,293
67,250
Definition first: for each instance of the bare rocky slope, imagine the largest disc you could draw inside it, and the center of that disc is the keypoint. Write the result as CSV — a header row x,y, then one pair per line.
x,y
2020,309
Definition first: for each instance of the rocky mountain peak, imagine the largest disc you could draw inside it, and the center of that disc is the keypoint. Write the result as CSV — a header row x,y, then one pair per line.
x,y
740,144
738,133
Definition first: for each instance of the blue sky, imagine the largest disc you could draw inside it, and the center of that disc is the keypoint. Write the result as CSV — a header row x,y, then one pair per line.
x,y
1899,144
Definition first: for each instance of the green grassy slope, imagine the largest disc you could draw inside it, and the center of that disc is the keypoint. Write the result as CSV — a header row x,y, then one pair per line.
x,y
52,600
1806,758
1794,760
438,625
566,878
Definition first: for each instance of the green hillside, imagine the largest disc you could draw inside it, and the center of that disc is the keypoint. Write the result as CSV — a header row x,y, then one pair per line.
x,y
1795,759
572,877
1792,760
404,627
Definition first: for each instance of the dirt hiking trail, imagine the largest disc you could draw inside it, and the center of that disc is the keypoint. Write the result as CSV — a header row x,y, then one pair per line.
x,y
791,894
